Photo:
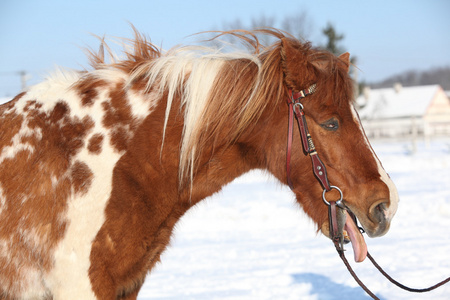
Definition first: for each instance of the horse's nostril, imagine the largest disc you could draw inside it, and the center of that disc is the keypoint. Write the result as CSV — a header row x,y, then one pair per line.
x,y
378,218
378,211
381,207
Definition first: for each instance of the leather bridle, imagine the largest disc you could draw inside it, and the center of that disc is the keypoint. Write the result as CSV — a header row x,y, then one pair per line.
x,y
295,106
319,170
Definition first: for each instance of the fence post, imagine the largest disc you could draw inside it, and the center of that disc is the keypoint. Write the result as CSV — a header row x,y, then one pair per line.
x,y
414,134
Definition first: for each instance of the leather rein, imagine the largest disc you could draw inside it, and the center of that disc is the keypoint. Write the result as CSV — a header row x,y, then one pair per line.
x,y
319,170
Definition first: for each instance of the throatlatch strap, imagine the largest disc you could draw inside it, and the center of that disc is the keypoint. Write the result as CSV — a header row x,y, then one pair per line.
x,y
289,145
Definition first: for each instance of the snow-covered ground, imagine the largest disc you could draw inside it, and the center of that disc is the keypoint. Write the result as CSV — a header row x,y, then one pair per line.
x,y
4,99
252,241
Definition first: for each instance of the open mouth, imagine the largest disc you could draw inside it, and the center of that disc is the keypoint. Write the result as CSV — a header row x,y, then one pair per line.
x,y
350,233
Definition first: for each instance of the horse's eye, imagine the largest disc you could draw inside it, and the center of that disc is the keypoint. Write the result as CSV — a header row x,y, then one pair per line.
x,y
331,125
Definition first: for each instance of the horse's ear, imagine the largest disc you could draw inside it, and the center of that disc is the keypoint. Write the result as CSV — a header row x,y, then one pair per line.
x,y
323,64
299,73
345,58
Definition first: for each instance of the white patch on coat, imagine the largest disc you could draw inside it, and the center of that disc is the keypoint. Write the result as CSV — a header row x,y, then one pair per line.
x,y
69,279
38,290
17,146
2,202
142,104
70,276
54,89
30,285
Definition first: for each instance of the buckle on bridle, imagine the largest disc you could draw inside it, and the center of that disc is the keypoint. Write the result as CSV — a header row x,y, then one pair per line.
x,y
300,106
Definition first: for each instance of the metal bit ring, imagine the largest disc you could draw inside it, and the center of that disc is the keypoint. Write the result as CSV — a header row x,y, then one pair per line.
x,y
338,202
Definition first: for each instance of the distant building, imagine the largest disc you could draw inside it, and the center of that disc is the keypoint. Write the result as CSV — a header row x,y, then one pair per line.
x,y
400,111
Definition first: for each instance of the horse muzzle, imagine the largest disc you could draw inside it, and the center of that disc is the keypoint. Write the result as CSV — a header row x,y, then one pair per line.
x,y
378,221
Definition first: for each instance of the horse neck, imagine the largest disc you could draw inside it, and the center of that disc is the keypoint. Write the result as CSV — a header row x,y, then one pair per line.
x,y
268,141
257,148
237,111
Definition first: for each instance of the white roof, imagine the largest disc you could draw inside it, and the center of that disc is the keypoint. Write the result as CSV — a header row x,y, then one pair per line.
x,y
391,103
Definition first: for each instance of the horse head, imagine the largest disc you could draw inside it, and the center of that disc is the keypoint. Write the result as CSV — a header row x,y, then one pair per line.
x,y
339,139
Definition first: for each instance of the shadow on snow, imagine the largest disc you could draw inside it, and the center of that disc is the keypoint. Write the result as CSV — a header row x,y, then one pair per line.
x,y
326,289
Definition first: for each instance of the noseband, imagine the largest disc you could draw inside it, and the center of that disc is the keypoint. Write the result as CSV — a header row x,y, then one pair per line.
x,y
296,107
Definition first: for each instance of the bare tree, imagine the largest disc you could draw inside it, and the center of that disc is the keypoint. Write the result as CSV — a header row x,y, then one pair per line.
x,y
263,22
299,25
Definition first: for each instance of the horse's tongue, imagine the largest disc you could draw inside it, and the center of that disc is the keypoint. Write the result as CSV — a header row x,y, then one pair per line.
x,y
358,243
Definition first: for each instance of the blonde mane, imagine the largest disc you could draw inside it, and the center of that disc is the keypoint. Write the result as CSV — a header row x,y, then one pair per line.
x,y
215,86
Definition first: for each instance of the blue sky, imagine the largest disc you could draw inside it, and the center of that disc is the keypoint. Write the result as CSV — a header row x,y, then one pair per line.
x,y
387,36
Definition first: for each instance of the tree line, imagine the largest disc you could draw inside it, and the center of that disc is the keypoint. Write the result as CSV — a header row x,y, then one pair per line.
x,y
439,76
302,27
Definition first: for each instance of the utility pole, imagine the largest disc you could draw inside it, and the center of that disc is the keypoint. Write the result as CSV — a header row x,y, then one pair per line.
x,y
23,79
